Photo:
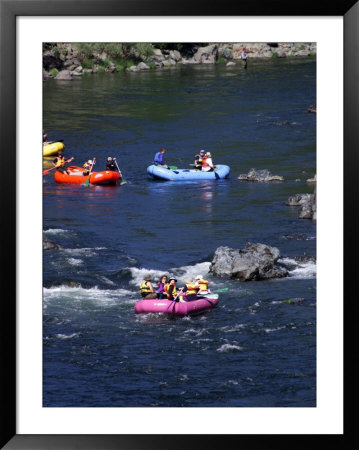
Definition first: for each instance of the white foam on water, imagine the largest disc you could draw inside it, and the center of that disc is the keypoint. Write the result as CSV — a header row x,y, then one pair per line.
x,y
272,330
86,252
67,336
75,262
228,348
107,280
233,329
56,231
79,294
300,269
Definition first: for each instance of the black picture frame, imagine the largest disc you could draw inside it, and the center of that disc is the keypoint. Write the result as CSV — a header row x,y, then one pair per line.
x,y
9,10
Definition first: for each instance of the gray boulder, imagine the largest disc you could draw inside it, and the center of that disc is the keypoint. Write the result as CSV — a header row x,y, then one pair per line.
x,y
64,75
259,175
307,205
175,55
298,199
206,55
254,262
143,66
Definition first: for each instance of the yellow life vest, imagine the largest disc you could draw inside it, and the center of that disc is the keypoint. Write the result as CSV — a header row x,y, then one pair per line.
x,y
87,166
198,160
144,288
174,292
203,285
60,162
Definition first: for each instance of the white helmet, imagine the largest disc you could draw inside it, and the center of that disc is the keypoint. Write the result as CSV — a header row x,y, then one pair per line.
x,y
208,154
199,277
90,161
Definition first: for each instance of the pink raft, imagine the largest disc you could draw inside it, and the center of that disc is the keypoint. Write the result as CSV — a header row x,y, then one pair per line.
x,y
176,308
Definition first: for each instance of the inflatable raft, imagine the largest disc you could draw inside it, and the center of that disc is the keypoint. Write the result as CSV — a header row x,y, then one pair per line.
x,y
76,176
171,307
161,173
52,149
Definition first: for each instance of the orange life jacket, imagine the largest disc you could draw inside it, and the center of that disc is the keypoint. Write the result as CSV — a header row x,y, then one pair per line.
x,y
192,288
204,162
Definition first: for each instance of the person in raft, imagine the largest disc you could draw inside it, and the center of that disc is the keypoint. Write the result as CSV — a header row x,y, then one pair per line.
x,y
207,163
146,288
161,287
111,164
59,162
198,160
88,166
158,159
171,288
202,284
190,290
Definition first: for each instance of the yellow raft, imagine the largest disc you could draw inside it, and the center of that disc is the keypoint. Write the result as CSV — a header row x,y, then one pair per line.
x,y
52,149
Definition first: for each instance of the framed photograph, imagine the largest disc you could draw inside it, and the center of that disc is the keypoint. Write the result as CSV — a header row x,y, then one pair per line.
x,y
196,134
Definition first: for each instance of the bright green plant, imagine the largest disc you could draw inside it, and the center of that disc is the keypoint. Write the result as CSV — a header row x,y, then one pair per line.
x,y
53,72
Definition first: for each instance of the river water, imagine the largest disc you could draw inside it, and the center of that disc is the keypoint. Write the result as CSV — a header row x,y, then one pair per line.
x,y
256,349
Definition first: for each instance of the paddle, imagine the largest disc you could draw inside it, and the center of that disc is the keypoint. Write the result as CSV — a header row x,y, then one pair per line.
x,y
179,292
44,172
87,182
119,171
220,290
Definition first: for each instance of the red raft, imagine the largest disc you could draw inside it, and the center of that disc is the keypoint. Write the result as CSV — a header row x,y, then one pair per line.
x,y
76,176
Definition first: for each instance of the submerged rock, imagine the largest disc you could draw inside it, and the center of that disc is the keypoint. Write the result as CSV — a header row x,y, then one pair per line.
x,y
47,244
260,175
307,204
254,262
294,301
312,180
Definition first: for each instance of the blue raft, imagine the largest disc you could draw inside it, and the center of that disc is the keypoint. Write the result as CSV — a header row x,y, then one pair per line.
x,y
161,173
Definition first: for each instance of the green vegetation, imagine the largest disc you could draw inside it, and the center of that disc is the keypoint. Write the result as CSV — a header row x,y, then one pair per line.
x,y
53,72
87,63
221,60
144,48
123,64
274,55
122,55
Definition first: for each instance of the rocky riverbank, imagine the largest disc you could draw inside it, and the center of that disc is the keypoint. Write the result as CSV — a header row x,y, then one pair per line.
x,y
66,61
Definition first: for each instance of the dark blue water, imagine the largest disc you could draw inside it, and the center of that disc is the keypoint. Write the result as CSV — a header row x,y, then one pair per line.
x,y
254,349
